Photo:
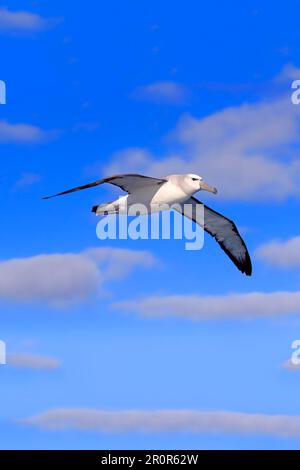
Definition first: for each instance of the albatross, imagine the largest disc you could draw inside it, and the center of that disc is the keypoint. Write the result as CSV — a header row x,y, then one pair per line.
x,y
177,191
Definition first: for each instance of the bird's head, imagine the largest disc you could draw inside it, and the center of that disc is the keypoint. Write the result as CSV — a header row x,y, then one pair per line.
x,y
196,183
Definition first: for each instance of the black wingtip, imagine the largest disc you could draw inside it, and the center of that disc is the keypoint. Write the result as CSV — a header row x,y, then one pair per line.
x,y
248,271
94,209
247,266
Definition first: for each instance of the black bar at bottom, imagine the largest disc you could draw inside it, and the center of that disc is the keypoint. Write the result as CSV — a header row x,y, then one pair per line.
x,y
138,458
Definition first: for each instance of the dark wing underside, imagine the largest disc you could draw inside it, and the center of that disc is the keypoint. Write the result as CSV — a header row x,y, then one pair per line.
x,y
225,232
128,182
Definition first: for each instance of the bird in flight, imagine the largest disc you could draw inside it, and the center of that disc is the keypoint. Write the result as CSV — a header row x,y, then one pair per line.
x,y
177,191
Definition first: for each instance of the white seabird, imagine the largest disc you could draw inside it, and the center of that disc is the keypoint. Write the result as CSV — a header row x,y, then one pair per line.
x,y
175,190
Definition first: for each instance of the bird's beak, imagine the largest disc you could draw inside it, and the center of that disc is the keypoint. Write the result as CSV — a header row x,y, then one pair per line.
x,y
206,187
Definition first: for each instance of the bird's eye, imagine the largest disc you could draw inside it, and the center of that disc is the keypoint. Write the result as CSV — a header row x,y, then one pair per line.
x,y
195,179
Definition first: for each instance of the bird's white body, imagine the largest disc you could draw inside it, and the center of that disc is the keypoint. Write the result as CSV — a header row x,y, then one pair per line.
x,y
177,189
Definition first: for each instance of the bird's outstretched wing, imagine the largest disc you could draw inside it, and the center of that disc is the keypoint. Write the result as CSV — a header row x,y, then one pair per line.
x,y
128,182
225,232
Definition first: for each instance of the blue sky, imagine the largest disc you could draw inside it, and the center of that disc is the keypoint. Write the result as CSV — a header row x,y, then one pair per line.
x,y
145,336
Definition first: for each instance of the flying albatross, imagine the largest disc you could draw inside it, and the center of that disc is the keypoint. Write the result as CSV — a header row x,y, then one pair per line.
x,y
177,191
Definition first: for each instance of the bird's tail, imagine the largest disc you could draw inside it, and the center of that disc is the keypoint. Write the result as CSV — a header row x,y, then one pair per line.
x,y
105,209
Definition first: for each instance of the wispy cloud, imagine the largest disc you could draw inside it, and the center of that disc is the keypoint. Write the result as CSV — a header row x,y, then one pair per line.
x,y
174,421
24,22
223,307
164,92
289,365
89,126
249,151
281,253
24,133
32,361
61,279
27,179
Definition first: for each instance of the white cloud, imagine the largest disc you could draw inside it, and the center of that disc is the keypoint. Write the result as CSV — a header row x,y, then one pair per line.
x,y
119,263
32,361
23,133
49,278
223,307
141,160
248,152
281,253
23,22
168,92
61,279
217,422
288,73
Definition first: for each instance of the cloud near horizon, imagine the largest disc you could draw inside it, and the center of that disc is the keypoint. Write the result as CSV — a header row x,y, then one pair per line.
x,y
67,278
223,307
177,421
245,151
